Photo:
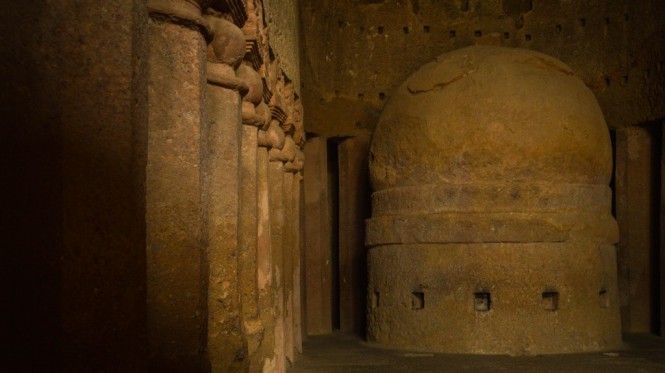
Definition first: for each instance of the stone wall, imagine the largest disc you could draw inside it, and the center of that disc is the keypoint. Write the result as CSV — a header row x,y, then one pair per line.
x,y
357,52
74,139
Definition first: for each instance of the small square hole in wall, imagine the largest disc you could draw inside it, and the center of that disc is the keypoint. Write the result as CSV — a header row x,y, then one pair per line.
x,y
607,21
417,300
382,96
506,35
550,300
482,301
582,22
452,33
379,29
527,37
406,29
558,28
477,33
426,29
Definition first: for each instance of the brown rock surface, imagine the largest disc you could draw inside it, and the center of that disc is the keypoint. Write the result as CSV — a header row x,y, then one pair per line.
x,y
176,265
491,229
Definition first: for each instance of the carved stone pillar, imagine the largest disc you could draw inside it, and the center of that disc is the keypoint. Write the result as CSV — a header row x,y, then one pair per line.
x,y
273,137
635,209
294,167
176,264
318,238
227,344
354,197
286,155
276,190
255,113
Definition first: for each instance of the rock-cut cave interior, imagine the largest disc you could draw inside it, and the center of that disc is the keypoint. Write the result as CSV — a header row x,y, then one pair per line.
x,y
333,186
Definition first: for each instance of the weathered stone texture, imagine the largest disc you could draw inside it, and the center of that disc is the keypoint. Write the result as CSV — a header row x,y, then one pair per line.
x,y
227,343
176,267
354,208
357,53
73,155
283,15
266,276
318,276
491,206
247,245
276,190
635,172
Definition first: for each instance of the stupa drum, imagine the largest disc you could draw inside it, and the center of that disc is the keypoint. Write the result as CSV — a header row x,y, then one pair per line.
x,y
491,228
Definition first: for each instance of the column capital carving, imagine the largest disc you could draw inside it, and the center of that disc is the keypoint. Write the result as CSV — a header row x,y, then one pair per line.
x,y
224,76
183,12
254,82
273,137
286,154
225,53
264,112
228,45
254,97
296,164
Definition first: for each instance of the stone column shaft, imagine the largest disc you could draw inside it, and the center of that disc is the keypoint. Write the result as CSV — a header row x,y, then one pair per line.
x,y
297,267
175,260
255,113
276,185
354,197
317,238
227,345
288,249
293,198
286,155
248,238
634,174
264,259
227,342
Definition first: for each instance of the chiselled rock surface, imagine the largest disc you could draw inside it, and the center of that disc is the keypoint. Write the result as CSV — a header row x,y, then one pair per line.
x,y
491,229
175,260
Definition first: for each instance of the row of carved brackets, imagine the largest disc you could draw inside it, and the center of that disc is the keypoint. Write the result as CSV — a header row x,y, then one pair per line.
x,y
278,92
240,58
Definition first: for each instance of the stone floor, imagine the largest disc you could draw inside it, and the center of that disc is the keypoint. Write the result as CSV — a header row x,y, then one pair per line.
x,y
345,353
